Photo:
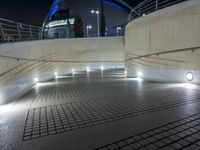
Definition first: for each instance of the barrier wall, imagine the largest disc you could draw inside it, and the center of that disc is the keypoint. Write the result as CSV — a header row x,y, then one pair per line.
x,y
23,61
165,45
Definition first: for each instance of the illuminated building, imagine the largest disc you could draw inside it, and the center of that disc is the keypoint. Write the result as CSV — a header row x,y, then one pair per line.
x,y
61,25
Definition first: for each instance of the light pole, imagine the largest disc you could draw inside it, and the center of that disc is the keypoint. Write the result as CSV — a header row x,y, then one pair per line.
x,y
98,26
118,28
88,27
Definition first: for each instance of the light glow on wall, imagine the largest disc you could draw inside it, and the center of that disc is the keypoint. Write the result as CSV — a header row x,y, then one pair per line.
x,y
125,73
88,69
102,68
7,108
56,73
36,79
139,74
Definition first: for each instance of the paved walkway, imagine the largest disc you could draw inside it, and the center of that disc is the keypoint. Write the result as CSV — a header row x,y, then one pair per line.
x,y
104,111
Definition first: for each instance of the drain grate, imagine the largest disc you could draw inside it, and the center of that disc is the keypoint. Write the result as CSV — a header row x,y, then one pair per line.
x,y
182,134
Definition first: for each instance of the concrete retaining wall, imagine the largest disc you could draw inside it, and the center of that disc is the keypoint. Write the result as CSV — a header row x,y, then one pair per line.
x,y
167,30
22,62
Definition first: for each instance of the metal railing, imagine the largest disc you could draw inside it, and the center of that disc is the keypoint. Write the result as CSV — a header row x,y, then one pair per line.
x,y
149,6
192,49
11,31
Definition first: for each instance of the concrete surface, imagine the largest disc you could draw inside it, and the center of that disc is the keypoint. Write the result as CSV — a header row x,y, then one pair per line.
x,y
102,110
22,61
166,30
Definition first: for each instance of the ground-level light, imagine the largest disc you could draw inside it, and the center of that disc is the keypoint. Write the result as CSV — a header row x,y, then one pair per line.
x,y
88,69
139,74
125,73
102,68
55,73
189,76
36,79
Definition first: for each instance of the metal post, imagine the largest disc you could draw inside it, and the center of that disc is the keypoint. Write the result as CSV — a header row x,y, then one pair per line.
x,y
31,34
2,32
118,29
88,28
98,21
98,24
129,17
139,10
19,32
87,31
156,4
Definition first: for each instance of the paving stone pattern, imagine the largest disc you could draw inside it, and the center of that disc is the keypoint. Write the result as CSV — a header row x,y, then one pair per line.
x,y
183,134
106,100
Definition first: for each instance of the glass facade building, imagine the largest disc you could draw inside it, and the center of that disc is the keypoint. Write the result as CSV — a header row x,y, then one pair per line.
x,y
61,25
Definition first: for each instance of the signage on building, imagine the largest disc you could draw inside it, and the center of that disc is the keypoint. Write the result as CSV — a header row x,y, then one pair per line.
x,y
60,22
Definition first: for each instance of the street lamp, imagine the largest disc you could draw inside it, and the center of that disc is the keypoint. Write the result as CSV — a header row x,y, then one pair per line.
x,y
88,27
98,26
118,28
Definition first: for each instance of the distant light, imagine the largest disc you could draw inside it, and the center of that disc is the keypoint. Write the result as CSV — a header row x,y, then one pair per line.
x,y
102,68
119,28
55,73
92,11
89,27
139,74
189,76
144,15
88,69
97,12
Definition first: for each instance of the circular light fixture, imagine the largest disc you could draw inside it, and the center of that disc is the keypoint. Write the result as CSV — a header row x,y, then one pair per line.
x,y
189,76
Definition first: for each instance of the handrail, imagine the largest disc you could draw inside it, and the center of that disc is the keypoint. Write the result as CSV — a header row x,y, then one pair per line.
x,y
106,61
149,6
165,52
11,31
59,61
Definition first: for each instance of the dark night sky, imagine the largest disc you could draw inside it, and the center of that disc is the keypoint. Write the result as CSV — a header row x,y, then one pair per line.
x,y
34,11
